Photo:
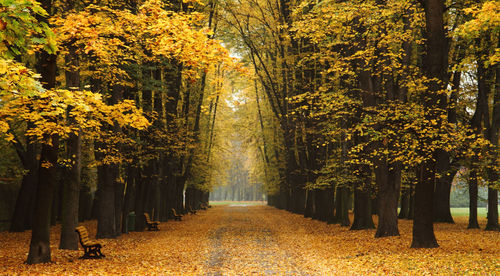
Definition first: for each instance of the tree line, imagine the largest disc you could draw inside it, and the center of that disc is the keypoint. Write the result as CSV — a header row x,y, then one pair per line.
x,y
101,102
383,101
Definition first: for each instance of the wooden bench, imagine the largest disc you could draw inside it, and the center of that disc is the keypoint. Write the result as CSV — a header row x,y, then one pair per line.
x,y
92,249
191,211
152,225
176,216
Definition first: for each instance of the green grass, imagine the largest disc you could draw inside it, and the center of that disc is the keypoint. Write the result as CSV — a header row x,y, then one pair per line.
x,y
464,212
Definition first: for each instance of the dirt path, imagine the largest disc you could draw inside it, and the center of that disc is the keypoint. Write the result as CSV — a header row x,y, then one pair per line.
x,y
245,241
260,240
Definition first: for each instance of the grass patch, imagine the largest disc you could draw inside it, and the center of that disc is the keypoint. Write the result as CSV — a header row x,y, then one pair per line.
x,y
464,212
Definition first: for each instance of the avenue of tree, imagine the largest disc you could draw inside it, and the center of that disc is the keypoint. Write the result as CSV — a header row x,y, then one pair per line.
x,y
113,107
376,101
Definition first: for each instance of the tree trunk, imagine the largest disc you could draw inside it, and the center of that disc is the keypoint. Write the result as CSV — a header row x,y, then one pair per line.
x,y
71,189
362,211
405,203
308,212
315,204
106,227
473,192
141,189
119,189
88,180
56,213
479,118
442,190
389,183
338,205
375,205
331,206
344,212
423,228
324,204
23,211
129,197
411,208
492,135
39,251
435,66
492,223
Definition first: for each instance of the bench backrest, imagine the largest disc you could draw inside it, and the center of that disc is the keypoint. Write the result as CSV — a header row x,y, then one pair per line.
x,y
83,234
148,219
175,213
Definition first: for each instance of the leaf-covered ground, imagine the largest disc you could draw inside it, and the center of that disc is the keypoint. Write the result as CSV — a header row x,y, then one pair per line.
x,y
260,240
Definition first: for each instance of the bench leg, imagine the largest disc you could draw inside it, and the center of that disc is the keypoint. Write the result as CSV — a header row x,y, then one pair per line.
x,y
85,253
100,253
152,227
93,252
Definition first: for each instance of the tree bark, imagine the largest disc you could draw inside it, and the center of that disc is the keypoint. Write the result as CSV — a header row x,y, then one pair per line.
x,y
404,203
140,191
473,193
39,251
71,189
61,178
309,204
435,66
442,190
119,189
23,211
479,120
331,206
411,207
343,212
389,183
106,227
88,180
129,197
492,223
324,206
362,211
423,228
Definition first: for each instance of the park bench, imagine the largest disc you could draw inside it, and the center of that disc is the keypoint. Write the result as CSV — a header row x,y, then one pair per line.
x,y
91,249
176,216
191,211
152,225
